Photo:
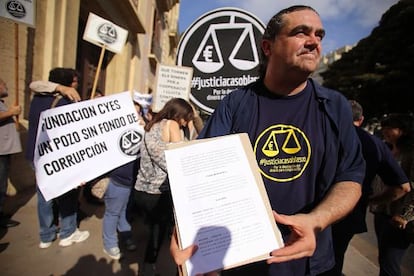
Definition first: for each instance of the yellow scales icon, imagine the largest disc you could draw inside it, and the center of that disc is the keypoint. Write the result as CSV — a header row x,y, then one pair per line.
x,y
290,145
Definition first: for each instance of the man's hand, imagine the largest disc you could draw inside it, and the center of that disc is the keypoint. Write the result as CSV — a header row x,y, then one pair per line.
x,y
180,256
69,92
11,111
302,240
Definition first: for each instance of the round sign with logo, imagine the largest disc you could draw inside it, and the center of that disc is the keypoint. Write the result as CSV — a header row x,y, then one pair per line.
x,y
223,48
130,141
107,32
16,9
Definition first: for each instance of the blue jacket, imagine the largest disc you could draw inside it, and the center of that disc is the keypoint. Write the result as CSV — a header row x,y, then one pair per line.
x,y
342,160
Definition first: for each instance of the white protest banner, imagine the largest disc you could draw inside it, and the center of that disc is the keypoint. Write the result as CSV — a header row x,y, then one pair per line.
x,y
20,11
102,32
172,82
78,142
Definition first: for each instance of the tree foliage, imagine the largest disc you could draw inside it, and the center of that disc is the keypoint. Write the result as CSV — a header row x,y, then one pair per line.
x,y
379,71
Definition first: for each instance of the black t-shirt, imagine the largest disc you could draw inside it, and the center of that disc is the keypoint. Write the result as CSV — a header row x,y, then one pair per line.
x,y
289,146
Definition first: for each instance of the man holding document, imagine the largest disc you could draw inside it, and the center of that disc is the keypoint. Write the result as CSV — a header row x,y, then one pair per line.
x,y
303,139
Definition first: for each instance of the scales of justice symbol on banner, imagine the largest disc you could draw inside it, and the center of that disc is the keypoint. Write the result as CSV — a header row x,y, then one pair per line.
x,y
208,57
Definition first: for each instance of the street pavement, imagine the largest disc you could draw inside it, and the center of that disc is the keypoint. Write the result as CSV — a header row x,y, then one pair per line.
x,y
20,254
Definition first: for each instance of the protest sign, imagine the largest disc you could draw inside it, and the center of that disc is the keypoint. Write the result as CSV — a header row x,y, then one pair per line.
x,y
102,32
23,11
222,46
106,35
79,142
172,82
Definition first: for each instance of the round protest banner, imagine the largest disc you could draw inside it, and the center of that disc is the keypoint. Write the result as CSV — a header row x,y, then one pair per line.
x,y
222,46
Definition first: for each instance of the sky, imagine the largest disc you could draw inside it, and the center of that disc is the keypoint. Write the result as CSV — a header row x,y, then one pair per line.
x,y
346,21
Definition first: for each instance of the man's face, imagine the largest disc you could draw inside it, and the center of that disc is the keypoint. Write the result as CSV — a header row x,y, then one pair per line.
x,y
3,90
298,45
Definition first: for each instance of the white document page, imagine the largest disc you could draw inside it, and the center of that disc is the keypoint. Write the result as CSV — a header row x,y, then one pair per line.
x,y
220,203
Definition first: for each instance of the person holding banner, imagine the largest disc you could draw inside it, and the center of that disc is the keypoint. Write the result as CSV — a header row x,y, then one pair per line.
x,y
9,144
67,203
69,92
305,144
152,192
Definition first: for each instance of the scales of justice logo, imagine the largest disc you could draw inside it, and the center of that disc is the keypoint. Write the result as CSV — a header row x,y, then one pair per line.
x,y
107,33
130,141
16,9
222,46
283,152
209,58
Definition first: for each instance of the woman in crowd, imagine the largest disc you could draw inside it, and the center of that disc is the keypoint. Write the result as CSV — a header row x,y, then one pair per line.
x,y
152,192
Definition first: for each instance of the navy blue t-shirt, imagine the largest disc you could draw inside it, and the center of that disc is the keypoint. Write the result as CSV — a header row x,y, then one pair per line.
x,y
289,146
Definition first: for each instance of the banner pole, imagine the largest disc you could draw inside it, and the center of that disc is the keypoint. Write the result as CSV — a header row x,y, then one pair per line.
x,y
98,69
16,69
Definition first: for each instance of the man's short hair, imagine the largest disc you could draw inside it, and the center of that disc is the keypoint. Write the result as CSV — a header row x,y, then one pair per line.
x,y
276,23
274,27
